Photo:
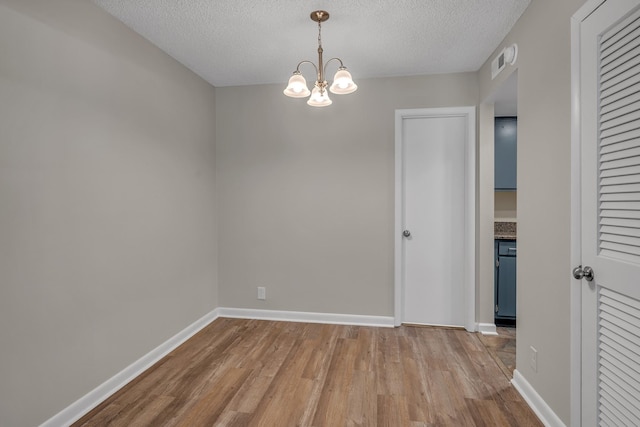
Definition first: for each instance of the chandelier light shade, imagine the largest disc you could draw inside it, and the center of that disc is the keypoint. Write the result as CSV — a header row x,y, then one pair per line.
x,y
297,87
319,96
343,83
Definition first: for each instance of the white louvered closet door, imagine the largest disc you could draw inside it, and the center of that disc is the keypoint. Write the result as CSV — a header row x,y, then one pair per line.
x,y
610,148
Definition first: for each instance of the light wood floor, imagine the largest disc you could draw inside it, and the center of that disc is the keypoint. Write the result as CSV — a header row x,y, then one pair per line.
x,y
502,348
261,373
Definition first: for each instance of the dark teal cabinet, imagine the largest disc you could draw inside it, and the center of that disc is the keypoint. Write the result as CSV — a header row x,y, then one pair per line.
x,y
505,281
506,153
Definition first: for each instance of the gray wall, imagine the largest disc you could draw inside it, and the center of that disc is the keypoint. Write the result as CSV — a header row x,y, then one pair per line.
x,y
544,167
107,213
306,195
109,194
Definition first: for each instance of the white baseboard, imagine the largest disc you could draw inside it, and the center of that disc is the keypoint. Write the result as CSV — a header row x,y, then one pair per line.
x,y
80,407
487,329
307,317
539,406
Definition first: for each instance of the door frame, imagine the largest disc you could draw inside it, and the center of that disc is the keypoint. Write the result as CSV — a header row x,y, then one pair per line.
x,y
469,113
575,358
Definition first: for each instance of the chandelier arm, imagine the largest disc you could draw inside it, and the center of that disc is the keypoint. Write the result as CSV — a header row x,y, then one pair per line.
x,y
306,62
332,59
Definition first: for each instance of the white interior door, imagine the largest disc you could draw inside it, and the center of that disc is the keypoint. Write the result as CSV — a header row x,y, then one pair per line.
x,y
610,194
435,217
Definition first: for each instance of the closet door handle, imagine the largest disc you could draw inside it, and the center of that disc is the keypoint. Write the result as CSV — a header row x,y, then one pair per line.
x,y
586,273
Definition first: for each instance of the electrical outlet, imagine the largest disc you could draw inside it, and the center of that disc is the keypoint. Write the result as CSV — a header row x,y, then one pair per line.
x,y
262,292
533,360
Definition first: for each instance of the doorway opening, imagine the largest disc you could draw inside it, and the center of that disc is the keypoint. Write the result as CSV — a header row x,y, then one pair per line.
x,y
505,214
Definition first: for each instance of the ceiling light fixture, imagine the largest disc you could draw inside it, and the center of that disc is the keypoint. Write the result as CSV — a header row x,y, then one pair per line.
x,y
342,81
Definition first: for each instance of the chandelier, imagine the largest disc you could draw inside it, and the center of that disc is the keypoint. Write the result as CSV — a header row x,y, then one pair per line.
x,y
342,81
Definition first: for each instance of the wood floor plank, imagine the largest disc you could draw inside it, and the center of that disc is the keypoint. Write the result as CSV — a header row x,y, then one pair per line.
x,y
417,395
362,408
317,369
250,394
232,419
392,411
332,409
247,373
286,396
210,405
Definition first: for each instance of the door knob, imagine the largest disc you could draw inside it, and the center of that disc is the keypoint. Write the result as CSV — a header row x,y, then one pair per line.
x,y
586,273
406,233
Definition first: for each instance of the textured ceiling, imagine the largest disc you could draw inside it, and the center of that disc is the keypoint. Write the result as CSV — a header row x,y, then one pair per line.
x,y
243,42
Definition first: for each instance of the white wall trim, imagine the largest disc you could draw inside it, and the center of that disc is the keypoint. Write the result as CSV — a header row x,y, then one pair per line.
x,y
398,294
487,328
306,317
575,305
575,302
470,220
80,407
535,401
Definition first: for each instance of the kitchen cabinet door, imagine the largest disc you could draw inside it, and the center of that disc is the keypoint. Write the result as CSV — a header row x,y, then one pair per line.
x,y
506,153
506,287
